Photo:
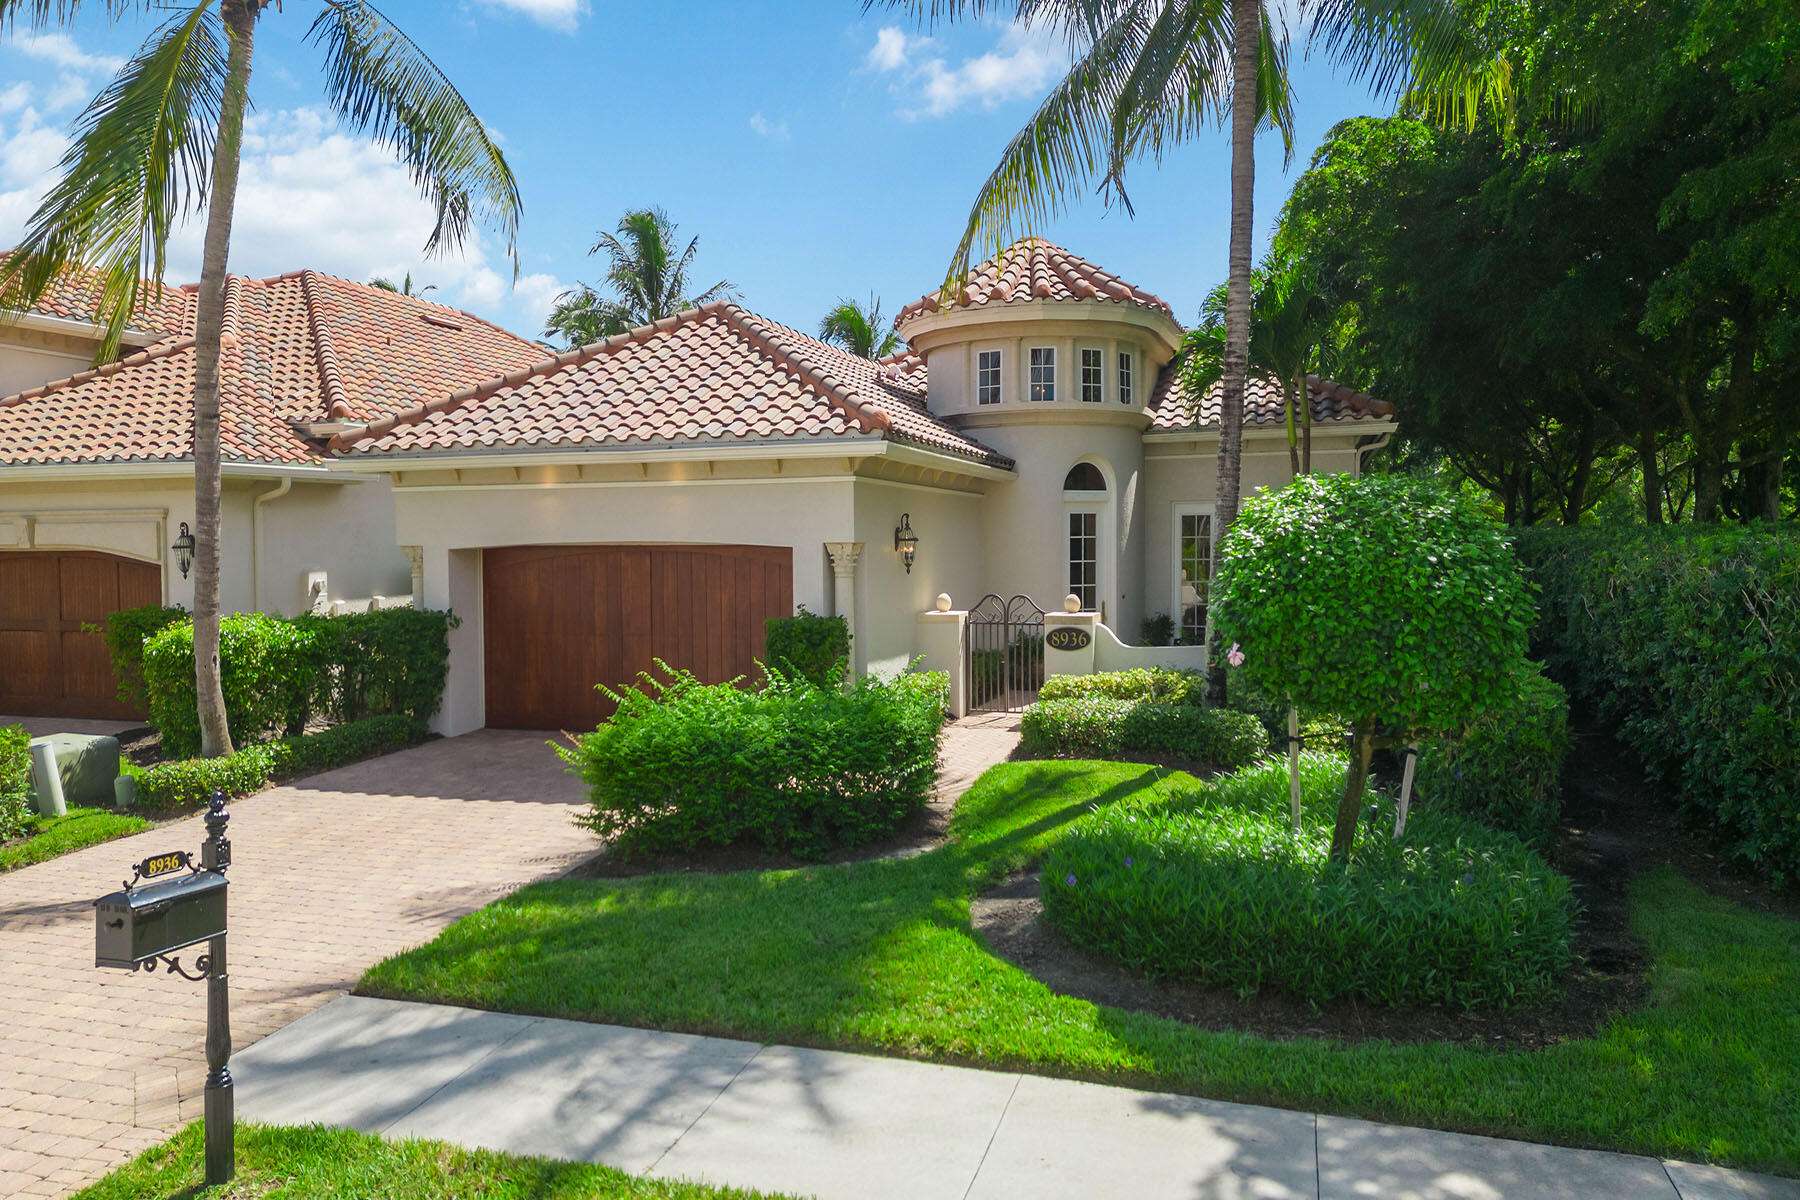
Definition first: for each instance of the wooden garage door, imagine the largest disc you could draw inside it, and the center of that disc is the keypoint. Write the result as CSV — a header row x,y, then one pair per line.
x,y
560,619
48,666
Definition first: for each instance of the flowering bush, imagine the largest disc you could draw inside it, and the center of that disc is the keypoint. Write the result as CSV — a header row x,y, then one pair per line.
x,y
1218,888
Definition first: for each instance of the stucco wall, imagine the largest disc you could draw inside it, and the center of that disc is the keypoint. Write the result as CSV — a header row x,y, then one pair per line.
x,y
23,367
345,530
949,559
1183,476
1025,522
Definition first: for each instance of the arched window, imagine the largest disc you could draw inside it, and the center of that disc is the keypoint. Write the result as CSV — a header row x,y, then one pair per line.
x,y
1084,477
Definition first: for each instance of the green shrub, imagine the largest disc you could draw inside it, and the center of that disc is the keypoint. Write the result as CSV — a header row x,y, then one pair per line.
x,y
791,766
191,781
1506,770
1139,683
268,668
1219,888
1688,640
808,644
1101,727
392,660
16,805
125,632
1158,630
1383,597
1318,730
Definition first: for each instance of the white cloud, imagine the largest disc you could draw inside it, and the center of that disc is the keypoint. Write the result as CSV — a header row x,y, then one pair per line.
x,y
763,127
28,153
1023,63
561,15
70,91
533,297
14,98
60,48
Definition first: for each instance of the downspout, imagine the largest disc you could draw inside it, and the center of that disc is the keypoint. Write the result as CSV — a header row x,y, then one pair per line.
x,y
1367,445
256,539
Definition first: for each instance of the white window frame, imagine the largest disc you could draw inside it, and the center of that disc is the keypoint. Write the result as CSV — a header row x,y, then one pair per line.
x,y
1099,369
999,357
1127,376
1048,383
1097,513
1176,602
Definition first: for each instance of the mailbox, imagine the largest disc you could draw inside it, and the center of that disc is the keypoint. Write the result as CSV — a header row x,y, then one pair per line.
x,y
138,924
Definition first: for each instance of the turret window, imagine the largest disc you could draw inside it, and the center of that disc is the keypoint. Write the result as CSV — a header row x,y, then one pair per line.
x,y
1043,373
1084,559
1093,371
1124,377
987,377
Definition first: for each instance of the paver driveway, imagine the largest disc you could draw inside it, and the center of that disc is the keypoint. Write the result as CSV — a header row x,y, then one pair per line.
x,y
329,875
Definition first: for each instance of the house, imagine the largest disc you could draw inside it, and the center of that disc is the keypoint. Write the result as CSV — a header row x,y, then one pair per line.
x,y
660,494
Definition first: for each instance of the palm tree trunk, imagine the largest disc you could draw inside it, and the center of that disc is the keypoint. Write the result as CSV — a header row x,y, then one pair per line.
x,y
240,24
1246,19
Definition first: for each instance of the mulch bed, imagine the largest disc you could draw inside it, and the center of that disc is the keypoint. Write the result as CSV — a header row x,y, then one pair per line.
x,y
1614,828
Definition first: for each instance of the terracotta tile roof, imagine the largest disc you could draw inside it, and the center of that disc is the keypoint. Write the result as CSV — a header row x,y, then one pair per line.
x,y
1034,269
300,347
713,374
75,296
1172,408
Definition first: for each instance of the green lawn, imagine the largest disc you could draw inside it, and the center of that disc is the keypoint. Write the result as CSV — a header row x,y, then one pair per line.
x,y
880,956
58,835
335,1164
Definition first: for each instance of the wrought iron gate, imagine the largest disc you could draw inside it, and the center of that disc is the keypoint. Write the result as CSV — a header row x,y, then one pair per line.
x,y
1006,653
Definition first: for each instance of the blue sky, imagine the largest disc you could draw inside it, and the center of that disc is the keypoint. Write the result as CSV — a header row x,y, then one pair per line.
x,y
816,151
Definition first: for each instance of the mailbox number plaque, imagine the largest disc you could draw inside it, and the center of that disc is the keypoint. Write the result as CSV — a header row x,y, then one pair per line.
x,y
1068,639
162,864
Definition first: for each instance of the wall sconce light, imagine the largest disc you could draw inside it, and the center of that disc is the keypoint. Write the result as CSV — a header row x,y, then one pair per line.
x,y
906,541
184,550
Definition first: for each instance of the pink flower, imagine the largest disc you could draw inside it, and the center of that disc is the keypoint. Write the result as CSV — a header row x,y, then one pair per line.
x,y
1234,656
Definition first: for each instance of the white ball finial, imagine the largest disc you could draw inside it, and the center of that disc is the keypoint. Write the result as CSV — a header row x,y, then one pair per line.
x,y
943,602
1071,603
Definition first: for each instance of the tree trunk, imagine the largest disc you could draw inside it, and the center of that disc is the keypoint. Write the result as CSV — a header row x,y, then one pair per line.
x,y
1246,19
1293,431
209,323
1647,464
1343,835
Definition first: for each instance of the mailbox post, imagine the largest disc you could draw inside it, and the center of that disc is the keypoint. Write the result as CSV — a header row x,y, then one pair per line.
x,y
147,922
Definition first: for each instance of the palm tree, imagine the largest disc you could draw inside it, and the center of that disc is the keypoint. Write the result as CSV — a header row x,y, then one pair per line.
x,y
162,142
648,281
1151,74
859,330
1290,321
402,289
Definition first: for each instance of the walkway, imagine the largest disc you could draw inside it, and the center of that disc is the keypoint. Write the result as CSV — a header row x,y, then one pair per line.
x,y
848,1126
971,745
332,873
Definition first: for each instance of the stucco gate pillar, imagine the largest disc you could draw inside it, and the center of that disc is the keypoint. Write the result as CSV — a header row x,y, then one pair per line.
x,y
844,556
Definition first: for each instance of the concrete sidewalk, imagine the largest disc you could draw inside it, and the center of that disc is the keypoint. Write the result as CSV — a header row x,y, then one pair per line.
x,y
847,1125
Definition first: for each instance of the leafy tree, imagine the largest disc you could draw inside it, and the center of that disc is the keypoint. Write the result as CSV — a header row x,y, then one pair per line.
x,y
647,279
1386,598
1151,74
859,330
404,289
162,142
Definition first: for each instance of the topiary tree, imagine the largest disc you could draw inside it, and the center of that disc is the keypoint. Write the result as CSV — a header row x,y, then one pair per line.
x,y
1386,598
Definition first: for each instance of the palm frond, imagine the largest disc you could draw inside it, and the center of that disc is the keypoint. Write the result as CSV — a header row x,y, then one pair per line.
x,y
47,14
140,161
383,86
1446,57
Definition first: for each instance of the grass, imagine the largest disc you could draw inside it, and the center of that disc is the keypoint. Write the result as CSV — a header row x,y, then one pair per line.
x,y
335,1164
880,956
78,828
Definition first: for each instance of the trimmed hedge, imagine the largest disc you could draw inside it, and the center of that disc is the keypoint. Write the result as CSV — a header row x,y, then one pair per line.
x,y
278,672
125,632
1139,683
1218,888
791,766
392,660
1688,640
192,781
267,669
16,806
1506,771
1101,727
808,644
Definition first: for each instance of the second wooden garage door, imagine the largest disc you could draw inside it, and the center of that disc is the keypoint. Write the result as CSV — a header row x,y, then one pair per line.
x,y
560,619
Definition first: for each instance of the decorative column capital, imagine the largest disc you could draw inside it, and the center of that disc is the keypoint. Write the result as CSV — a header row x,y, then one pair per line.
x,y
843,557
415,555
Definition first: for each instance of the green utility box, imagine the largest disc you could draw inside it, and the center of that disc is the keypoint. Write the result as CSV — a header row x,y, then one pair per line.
x,y
87,764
